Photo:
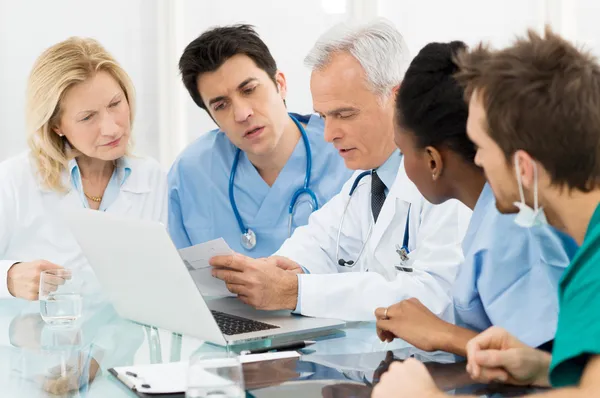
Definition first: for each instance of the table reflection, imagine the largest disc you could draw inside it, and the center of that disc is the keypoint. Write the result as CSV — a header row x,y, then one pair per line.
x,y
44,360
37,360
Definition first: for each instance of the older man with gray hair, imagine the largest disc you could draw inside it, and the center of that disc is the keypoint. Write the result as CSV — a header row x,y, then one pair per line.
x,y
378,241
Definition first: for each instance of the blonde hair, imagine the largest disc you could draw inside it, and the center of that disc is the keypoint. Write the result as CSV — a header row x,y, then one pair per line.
x,y
57,69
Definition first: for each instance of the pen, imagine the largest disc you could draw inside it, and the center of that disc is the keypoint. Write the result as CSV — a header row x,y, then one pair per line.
x,y
282,347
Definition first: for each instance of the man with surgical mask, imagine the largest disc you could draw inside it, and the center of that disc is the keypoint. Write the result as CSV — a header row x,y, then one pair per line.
x,y
534,115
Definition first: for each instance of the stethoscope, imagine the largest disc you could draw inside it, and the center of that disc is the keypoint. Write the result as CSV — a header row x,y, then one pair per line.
x,y
248,238
402,251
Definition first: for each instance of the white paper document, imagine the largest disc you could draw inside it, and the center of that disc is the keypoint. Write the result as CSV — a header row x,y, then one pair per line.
x,y
196,260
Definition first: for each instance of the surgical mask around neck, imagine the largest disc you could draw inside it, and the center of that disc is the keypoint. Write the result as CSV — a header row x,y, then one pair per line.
x,y
528,217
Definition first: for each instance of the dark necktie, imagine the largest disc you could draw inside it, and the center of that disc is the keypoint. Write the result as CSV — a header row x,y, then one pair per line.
x,y
377,194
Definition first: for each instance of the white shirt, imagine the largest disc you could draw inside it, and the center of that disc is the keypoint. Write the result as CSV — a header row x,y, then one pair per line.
x,y
353,293
30,224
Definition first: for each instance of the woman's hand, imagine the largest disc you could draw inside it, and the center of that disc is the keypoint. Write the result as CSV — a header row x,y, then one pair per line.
x,y
414,323
23,279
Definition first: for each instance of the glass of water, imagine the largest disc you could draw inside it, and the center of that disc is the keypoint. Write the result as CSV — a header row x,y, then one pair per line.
x,y
60,297
216,375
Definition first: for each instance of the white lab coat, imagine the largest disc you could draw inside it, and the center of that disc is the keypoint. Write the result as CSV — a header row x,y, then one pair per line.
x,y
334,291
30,223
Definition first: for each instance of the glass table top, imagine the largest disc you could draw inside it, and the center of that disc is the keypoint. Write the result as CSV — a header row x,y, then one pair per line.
x,y
37,360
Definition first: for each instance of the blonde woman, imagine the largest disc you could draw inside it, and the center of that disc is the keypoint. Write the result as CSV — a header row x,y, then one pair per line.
x,y
80,110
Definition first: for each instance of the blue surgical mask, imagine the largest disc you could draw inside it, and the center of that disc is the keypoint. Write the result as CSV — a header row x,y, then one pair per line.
x,y
528,217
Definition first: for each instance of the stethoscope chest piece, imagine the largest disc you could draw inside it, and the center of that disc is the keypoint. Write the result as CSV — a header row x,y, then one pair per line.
x,y
248,239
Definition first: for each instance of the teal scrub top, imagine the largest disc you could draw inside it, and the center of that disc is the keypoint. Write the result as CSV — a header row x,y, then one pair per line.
x,y
578,334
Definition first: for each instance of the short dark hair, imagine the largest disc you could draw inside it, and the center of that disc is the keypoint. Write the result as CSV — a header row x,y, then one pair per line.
x,y
212,48
430,102
541,95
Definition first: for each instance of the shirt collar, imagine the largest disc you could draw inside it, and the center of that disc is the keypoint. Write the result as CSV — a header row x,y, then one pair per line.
x,y
122,171
485,197
388,171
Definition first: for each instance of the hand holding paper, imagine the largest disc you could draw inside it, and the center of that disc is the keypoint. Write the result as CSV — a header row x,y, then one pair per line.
x,y
196,259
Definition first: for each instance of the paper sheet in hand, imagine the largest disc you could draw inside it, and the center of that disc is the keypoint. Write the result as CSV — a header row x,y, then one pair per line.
x,y
196,260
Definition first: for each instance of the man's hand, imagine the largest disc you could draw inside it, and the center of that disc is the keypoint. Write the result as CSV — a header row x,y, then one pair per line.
x,y
495,355
408,379
411,321
261,283
23,279
286,264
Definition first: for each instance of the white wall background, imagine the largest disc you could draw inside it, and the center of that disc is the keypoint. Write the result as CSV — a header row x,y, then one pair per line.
x,y
288,31
148,36
471,21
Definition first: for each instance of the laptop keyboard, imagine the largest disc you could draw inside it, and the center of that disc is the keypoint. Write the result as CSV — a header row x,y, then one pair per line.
x,y
232,325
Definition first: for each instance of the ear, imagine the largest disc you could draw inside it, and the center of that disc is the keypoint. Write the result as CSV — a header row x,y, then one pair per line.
x,y
281,84
434,161
394,95
524,164
57,131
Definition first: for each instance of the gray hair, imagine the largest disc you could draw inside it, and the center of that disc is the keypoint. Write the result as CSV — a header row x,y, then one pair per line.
x,y
376,45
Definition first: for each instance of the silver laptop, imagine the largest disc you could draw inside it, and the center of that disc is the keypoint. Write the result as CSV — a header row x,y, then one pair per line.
x,y
146,280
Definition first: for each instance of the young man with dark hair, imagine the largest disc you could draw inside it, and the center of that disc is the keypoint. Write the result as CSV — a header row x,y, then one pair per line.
x,y
264,170
534,115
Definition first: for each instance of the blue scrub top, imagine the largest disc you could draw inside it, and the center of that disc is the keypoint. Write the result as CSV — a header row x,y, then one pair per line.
x,y
199,206
510,275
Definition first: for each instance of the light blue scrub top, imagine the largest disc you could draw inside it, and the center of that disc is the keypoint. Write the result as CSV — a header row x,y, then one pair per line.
x,y
118,178
199,206
510,275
